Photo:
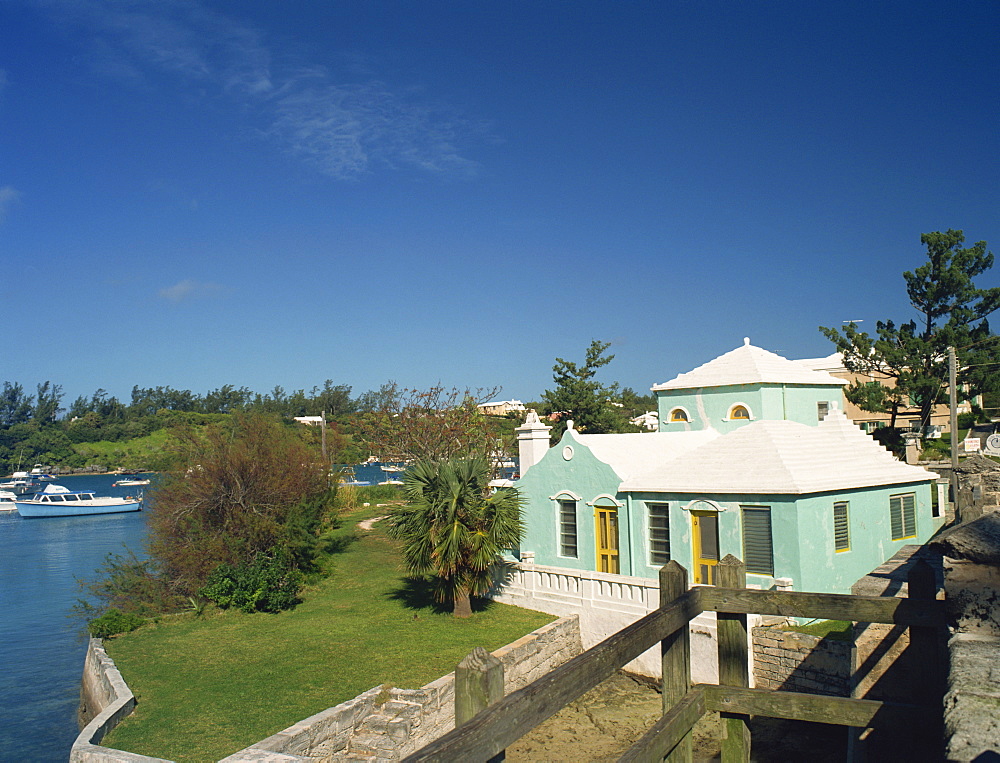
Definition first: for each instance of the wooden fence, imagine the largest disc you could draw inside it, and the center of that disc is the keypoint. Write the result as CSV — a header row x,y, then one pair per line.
x,y
487,723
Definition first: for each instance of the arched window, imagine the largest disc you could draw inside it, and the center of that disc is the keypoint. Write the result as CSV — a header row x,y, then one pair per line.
x,y
679,414
739,412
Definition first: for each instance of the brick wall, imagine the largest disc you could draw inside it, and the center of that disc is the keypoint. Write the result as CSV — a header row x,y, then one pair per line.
x,y
798,662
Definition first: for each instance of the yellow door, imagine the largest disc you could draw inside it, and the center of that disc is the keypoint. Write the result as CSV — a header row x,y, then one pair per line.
x,y
705,531
607,540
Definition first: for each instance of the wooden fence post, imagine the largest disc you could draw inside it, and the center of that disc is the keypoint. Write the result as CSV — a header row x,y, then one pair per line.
x,y
478,684
733,670
926,647
675,655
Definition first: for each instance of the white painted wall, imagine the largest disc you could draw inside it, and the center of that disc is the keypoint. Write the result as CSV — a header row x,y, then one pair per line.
x,y
606,604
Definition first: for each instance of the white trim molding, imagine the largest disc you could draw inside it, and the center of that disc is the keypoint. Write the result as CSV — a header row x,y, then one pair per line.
x,y
608,497
703,504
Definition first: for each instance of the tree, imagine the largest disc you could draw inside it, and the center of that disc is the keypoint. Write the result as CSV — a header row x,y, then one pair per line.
x,y
232,496
431,425
454,528
909,363
580,397
47,402
15,406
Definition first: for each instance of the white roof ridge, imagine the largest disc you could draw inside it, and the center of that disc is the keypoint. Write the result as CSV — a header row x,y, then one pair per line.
x,y
749,364
781,457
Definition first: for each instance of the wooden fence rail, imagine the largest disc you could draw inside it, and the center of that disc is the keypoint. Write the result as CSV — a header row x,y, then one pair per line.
x,y
490,731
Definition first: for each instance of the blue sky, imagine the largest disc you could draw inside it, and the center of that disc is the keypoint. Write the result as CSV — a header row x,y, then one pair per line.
x,y
266,193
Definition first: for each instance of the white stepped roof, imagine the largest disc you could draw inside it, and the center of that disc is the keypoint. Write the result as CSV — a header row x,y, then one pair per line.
x,y
782,457
635,453
749,365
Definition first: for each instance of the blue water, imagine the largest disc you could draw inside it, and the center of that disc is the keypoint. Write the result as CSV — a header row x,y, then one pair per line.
x,y
44,647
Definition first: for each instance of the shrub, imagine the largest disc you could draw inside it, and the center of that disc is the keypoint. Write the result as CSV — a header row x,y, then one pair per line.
x,y
891,438
967,420
268,584
113,622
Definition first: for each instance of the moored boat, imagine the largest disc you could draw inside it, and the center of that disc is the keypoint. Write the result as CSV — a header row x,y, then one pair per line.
x,y
58,501
7,499
22,483
129,482
39,472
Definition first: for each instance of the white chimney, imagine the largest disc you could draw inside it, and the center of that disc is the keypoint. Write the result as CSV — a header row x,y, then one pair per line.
x,y
532,441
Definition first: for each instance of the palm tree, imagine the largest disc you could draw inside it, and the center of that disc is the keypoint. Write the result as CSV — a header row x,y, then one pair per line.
x,y
454,527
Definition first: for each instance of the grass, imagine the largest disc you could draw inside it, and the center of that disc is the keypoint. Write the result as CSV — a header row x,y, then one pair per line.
x,y
141,452
209,686
838,630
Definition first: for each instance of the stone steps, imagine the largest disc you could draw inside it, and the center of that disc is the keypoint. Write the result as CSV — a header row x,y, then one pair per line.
x,y
381,734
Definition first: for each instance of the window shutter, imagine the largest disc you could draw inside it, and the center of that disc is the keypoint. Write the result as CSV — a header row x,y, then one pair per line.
x,y
902,516
841,527
567,529
758,553
659,533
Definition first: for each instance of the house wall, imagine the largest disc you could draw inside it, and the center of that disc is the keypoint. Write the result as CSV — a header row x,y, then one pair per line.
x,y
784,531
801,527
709,407
870,534
583,477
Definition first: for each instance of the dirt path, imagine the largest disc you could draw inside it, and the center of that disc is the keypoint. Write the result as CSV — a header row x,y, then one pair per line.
x,y
603,724
607,720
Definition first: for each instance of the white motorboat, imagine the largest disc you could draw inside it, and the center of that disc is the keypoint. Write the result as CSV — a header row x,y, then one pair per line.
x,y
7,500
58,501
22,483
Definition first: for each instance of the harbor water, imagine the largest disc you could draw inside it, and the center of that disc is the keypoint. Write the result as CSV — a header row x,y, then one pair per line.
x,y
41,561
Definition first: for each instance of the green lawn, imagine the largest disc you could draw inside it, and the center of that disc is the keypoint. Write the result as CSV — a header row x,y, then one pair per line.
x,y
208,687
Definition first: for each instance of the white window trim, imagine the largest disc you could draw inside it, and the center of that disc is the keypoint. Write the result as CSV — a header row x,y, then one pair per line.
x,y
607,497
567,494
701,504
729,413
679,408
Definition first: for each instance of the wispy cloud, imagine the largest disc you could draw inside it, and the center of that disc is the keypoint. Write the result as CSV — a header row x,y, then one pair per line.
x,y
8,196
345,128
188,289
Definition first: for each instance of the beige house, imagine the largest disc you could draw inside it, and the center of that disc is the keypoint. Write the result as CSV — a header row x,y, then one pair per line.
x,y
500,407
906,416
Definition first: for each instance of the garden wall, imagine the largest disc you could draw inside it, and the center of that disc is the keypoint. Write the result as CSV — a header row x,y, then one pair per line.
x,y
383,723
799,662
104,700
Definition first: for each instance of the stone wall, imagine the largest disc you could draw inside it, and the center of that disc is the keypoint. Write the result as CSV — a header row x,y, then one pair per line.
x,y
382,724
799,662
971,554
104,700
978,486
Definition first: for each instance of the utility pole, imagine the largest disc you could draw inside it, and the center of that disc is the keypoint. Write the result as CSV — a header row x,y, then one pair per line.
x,y
322,432
953,424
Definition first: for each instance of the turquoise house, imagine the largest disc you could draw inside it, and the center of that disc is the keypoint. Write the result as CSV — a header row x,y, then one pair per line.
x,y
754,457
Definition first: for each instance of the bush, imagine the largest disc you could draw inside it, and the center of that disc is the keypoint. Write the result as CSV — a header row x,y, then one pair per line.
x,y
113,622
268,584
967,420
891,438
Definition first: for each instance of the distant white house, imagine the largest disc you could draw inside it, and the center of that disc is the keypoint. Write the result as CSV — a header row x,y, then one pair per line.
x,y
311,421
649,420
500,407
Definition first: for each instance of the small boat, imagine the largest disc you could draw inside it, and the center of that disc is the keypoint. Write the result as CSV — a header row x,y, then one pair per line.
x,y
39,472
58,501
7,499
128,482
22,483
